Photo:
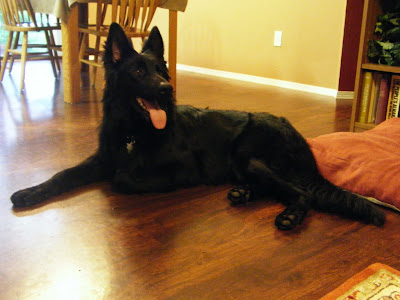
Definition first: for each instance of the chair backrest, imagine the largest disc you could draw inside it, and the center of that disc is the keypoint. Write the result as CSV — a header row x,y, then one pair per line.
x,y
130,14
17,13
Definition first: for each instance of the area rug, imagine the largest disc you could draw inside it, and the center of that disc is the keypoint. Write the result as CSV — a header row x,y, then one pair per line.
x,y
376,282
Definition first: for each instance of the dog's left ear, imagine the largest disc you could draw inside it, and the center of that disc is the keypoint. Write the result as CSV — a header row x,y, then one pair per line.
x,y
154,43
117,45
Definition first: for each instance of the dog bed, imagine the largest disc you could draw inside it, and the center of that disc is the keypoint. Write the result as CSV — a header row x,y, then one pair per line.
x,y
365,163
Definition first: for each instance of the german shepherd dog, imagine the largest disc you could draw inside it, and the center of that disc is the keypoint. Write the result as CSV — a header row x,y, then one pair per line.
x,y
148,144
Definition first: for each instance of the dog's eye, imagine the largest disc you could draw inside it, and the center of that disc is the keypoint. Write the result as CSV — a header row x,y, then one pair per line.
x,y
140,72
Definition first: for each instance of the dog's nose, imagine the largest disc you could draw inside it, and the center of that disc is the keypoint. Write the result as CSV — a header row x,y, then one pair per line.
x,y
165,87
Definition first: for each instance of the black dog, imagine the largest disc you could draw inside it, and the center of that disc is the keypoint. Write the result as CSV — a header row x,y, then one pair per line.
x,y
147,143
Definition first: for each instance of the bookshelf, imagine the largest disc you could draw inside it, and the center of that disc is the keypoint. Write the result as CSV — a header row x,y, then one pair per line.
x,y
371,11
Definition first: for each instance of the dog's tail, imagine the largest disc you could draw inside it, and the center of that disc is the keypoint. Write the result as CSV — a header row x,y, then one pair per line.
x,y
331,198
324,195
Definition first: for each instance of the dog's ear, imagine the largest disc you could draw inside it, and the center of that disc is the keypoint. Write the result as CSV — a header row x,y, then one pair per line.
x,y
154,43
117,46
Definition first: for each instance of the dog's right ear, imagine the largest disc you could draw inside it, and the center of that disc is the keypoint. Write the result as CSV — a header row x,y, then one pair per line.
x,y
117,46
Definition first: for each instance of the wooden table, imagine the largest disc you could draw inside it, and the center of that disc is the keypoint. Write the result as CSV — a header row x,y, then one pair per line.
x,y
68,11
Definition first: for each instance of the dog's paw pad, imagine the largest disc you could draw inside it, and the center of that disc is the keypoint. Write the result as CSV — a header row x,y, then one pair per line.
x,y
289,218
241,194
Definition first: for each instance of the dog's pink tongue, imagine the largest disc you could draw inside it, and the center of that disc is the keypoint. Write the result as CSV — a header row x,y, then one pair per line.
x,y
157,115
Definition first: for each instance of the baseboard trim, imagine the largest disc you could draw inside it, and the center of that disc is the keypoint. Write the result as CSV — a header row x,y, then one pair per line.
x,y
261,80
344,95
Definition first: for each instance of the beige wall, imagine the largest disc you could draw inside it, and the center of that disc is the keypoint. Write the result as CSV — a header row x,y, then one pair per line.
x,y
237,36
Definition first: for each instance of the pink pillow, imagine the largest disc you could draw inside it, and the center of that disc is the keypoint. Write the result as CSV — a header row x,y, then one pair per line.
x,y
366,163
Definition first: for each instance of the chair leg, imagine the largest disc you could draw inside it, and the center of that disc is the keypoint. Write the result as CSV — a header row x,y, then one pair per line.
x,y
82,49
53,43
14,46
5,57
50,51
96,59
23,58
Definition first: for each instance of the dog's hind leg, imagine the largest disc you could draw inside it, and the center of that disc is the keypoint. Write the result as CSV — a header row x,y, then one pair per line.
x,y
293,215
299,200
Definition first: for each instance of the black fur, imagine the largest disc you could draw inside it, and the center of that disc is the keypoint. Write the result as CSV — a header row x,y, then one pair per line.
x,y
258,151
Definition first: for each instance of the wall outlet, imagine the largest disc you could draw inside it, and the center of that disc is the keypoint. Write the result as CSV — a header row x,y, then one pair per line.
x,y
278,38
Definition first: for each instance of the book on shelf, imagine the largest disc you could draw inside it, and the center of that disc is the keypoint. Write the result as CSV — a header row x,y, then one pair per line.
x,y
394,98
376,81
383,98
365,97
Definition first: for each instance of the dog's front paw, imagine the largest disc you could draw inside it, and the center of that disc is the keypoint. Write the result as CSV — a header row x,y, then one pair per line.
x,y
28,197
240,194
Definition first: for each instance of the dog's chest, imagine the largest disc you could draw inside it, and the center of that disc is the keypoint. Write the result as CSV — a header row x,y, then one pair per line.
x,y
172,159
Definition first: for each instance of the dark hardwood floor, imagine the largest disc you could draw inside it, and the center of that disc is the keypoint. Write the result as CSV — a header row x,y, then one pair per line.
x,y
188,244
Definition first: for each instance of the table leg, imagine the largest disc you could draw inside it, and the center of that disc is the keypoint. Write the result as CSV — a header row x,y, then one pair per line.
x,y
70,60
173,34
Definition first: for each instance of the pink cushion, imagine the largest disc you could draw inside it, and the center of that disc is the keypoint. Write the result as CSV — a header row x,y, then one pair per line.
x,y
366,163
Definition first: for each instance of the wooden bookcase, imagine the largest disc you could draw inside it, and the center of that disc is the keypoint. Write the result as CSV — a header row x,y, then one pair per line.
x,y
371,11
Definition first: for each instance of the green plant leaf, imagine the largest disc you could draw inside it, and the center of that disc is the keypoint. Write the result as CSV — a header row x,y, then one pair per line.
x,y
378,28
386,45
395,21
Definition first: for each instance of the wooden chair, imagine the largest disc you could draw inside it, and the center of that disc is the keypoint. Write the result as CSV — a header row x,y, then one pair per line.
x,y
19,17
134,16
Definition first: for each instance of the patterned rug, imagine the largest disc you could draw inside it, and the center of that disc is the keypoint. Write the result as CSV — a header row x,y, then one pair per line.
x,y
377,282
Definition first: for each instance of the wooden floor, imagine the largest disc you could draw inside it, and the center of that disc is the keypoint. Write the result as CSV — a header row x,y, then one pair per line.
x,y
187,244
